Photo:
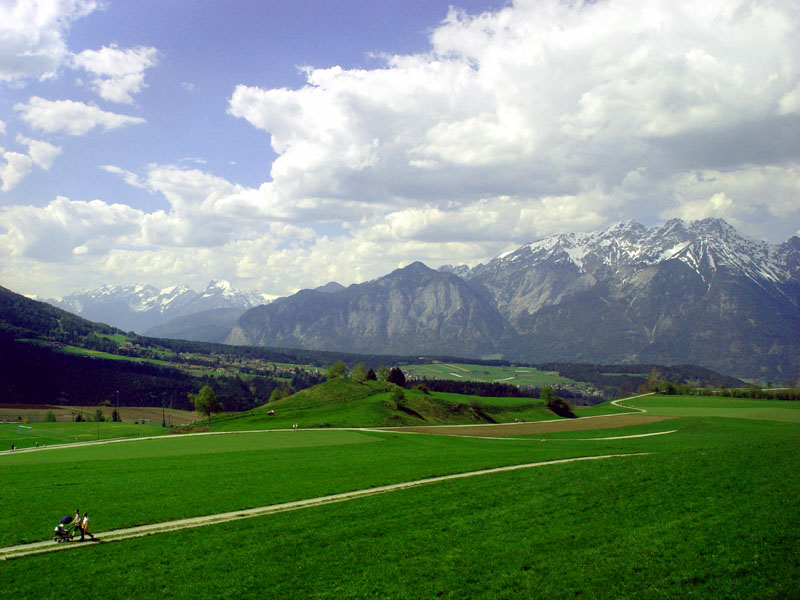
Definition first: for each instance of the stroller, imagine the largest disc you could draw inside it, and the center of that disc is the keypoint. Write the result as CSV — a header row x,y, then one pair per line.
x,y
61,533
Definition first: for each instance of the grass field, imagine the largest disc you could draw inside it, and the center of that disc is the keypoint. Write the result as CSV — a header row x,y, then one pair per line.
x,y
527,376
28,434
711,512
740,408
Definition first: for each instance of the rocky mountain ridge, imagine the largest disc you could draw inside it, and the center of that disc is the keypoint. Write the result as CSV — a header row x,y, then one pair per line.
x,y
699,293
411,310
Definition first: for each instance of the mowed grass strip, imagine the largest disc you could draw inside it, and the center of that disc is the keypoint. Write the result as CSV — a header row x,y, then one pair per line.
x,y
712,514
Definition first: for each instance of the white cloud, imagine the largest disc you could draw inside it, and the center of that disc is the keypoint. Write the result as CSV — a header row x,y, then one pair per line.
x,y
18,166
119,72
129,177
64,229
70,117
753,198
42,153
32,43
544,100
542,117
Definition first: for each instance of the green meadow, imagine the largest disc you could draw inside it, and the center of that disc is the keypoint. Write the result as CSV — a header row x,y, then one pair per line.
x,y
709,512
739,408
26,435
527,376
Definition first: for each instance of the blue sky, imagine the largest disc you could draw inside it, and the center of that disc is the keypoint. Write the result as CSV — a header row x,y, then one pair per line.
x,y
281,145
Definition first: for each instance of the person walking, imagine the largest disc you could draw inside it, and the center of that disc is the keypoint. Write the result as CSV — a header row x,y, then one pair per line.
x,y
85,526
76,524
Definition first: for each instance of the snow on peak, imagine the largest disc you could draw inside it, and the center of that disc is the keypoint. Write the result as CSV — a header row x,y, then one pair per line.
x,y
706,246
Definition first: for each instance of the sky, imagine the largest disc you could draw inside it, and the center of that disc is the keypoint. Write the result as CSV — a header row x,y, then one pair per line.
x,y
281,145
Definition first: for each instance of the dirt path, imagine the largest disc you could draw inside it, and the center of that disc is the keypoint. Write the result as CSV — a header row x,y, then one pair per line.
x,y
132,532
508,429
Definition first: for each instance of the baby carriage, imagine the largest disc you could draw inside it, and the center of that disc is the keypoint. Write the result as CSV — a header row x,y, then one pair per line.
x,y
61,533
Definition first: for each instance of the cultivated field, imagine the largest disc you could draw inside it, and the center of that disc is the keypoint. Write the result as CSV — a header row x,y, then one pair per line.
x,y
707,511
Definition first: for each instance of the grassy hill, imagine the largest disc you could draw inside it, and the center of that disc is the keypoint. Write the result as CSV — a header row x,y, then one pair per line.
x,y
347,403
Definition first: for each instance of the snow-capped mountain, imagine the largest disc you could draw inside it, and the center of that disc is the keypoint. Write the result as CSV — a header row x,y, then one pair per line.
x,y
141,307
698,293
679,293
702,245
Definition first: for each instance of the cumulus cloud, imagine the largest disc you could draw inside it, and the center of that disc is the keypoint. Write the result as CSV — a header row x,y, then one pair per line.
x,y
540,117
744,197
542,102
119,73
70,117
18,165
66,228
32,40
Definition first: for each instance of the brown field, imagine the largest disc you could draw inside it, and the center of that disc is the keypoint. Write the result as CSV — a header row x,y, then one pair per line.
x,y
128,414
509,429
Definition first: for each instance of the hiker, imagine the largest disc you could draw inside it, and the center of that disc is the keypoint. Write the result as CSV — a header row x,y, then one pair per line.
x,y
76,523
85,526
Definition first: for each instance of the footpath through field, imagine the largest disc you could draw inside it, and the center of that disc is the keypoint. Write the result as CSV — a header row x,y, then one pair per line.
x,y
132,532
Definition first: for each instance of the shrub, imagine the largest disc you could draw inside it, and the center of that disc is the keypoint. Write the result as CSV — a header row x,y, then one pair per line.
x,y
398,395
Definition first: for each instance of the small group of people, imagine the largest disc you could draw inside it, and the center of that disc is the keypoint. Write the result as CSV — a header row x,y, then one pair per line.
x,y
78,524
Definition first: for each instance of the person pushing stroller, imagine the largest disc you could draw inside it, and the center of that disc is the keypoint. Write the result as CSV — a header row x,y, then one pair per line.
x,y
76,524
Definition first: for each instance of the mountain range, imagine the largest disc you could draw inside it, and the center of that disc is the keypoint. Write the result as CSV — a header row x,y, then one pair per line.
x,y
678,293
162,312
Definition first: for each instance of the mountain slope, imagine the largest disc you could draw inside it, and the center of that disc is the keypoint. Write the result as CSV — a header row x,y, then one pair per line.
x,y
205,326
691,293
411,310
699,293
